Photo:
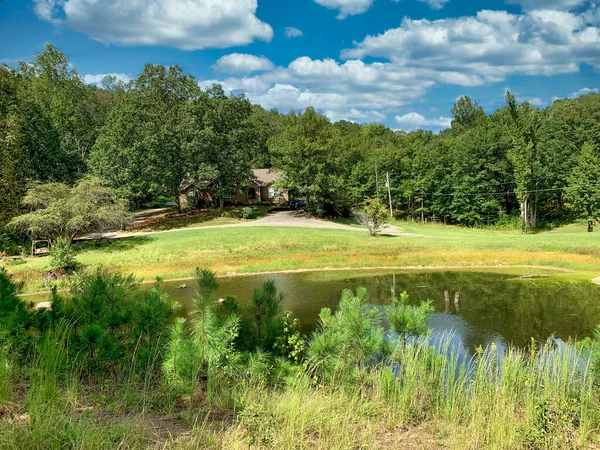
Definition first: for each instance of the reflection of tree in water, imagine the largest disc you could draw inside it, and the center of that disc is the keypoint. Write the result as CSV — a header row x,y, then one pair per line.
x,y
493,304
493,308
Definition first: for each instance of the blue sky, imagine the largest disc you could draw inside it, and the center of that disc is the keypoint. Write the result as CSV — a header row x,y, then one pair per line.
x,y
398,62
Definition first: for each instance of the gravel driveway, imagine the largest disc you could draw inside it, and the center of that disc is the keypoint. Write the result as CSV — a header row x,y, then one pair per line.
x,y
296,219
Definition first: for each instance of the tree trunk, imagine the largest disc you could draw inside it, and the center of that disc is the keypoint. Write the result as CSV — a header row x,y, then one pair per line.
x,y
178,203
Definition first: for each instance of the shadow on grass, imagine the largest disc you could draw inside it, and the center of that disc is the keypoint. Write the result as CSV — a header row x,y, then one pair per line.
x,y
112,245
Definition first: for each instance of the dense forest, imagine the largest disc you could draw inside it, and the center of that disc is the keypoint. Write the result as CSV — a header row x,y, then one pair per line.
x,y
520,164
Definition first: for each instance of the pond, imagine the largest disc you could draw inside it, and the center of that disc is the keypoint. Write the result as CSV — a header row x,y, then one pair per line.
x,y
493,307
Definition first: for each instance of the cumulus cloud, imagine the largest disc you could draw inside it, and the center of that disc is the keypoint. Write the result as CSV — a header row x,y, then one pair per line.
x,y
184,24
98,77
346,7
242,63
490,45
548,4
353,90
584,91
420,54
435,4
292,32
413,121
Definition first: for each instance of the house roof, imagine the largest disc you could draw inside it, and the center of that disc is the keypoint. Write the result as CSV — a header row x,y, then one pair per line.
x,y
264,177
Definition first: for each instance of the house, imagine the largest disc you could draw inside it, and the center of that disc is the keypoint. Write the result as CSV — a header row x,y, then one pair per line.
x,y
262,188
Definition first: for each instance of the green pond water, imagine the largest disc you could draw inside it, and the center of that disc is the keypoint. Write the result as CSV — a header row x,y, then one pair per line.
x,y
494,307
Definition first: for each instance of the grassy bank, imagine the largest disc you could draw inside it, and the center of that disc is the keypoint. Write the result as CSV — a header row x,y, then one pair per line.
x,y
251,250
219,381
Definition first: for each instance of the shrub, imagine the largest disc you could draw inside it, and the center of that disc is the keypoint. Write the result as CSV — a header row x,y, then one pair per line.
x,y
247,213
376,215
15,319
62,255
115,324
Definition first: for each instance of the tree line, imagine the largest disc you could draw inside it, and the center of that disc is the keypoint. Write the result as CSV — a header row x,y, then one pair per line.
x,y
145,137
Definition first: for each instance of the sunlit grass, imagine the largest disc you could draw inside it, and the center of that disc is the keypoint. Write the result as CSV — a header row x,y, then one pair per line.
x,y
260,249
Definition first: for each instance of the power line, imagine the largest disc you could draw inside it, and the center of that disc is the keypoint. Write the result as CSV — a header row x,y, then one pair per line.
x,y
534,191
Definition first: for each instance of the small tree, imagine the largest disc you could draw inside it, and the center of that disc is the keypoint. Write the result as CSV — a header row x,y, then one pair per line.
x,y
584,190
56,210
62,256
407,320
265,310
376,215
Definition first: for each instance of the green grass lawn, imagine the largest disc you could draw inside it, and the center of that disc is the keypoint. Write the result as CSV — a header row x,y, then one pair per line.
x,y
248,250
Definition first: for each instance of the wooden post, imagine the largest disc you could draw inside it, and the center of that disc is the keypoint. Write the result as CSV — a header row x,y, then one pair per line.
x,y
447,301
456,302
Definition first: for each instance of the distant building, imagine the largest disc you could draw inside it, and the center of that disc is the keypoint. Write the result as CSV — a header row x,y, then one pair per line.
x,y
262,188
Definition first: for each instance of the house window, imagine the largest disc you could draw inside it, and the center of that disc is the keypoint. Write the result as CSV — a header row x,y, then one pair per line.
x,y
272,192
228,194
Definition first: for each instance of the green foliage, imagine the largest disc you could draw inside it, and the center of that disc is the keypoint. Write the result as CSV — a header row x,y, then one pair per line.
x,y
406,320
60,211
247,213
258,424
202,348
291,343
218,140
115,324
62,255
264,312
15,318
584,187
348,340
376,215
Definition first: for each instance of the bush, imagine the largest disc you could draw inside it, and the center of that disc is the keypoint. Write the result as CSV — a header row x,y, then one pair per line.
x,y
247,213
375,214
11,242
62,255
115,324
15,319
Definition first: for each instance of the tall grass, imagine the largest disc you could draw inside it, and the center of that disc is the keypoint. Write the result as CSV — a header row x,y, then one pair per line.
x,y
513,400
5,377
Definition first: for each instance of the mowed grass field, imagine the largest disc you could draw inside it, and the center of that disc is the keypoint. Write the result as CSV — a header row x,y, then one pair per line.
x,y
249,250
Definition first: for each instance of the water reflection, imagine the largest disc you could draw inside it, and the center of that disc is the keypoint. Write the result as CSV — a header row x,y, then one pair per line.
x,y
492,307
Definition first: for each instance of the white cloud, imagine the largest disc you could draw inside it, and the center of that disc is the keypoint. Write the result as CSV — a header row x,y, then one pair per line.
x,y
346,7
292,32
353,90
242,63
421,54
584,91
435,4
548,4
490,45
413,121
184,24
536,101
98,77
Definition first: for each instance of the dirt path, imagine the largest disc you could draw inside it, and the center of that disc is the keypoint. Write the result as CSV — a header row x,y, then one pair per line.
x,y
272,219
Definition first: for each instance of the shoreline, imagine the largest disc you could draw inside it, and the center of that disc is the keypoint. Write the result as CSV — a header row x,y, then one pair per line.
x,y
341,269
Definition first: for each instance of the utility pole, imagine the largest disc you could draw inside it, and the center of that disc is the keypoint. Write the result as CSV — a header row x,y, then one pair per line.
x,y
389,189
